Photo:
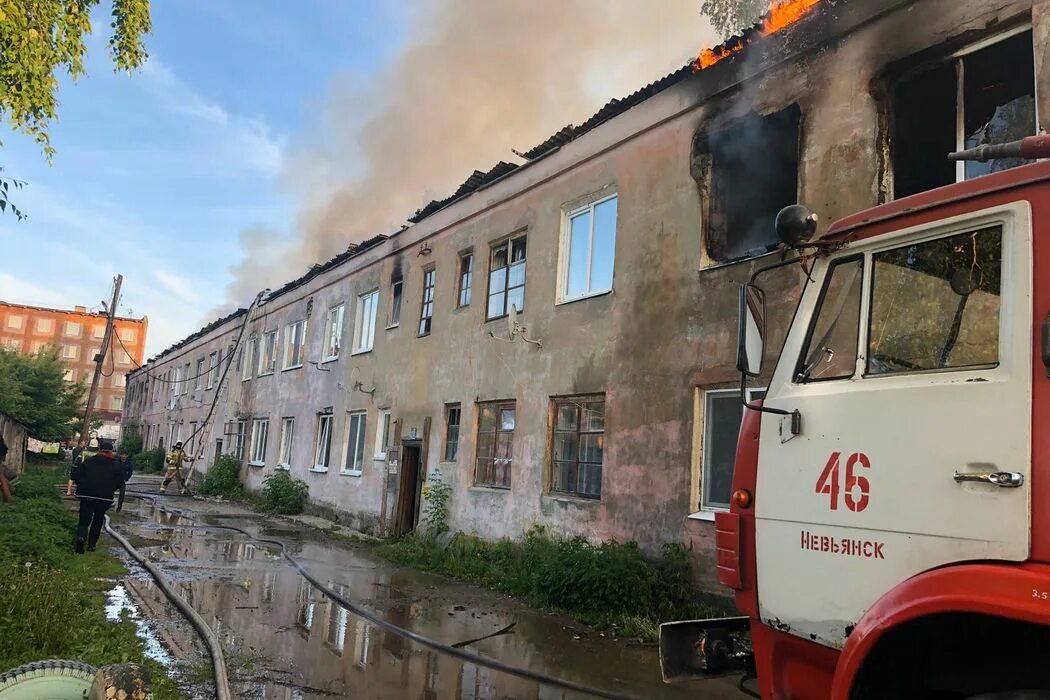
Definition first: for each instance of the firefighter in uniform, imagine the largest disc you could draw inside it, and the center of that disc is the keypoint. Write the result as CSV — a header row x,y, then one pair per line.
x,y
175,459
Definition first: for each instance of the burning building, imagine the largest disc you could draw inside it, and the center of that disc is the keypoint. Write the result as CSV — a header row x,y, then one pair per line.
x,y
555,341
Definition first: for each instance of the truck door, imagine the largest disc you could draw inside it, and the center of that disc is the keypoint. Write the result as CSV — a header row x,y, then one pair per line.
x,y
910,362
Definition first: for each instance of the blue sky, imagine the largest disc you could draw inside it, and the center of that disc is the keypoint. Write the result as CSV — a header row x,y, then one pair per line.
x,y
157,173
198,177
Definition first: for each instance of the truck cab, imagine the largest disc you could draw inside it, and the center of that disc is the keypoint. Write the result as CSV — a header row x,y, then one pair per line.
x,y
889,532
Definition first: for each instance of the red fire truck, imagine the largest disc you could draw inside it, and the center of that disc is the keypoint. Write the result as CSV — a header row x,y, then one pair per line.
x,y
889,533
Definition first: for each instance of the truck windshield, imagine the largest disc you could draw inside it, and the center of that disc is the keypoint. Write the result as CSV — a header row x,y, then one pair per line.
x,y
935,305
831,348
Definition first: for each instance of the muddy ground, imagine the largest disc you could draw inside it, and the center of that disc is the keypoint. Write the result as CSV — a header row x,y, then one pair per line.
x,y
284,639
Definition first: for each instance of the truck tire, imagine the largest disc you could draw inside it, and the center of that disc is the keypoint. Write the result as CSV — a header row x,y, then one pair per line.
x,y
47,680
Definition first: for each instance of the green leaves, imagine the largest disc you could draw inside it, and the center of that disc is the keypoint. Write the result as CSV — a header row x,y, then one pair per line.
x,y
33,392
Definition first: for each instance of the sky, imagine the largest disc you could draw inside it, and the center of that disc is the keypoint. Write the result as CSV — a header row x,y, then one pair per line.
x,y
163,175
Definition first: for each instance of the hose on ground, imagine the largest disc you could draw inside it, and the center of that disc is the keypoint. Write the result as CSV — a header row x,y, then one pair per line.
x,y
222,681
385,624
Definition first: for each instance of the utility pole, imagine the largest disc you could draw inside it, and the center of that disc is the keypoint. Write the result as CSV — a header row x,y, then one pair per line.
x,y
100,359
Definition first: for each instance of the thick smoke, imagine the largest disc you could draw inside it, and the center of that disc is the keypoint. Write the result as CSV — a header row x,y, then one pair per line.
x,y
476,78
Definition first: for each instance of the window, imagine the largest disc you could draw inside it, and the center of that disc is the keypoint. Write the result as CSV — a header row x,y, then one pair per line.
x,y
334,331
15,321
37,345
186,379
294,337
830,351
239,429
466,278
70,352
426,312
117,403
936,305
287,435
578,441
45,325
128,335
382,434
120,380
268,358
396,290
171,434
323,450
975,98
496,421
176,381
13,344
198,377
123,358
365,323
507,278
213,369
72,330
192,438
747,173
98,331
260,433
69,375
249,358
588,250
452,420
722,415
355,442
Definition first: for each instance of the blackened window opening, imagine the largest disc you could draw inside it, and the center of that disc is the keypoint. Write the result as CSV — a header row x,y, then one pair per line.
x,y
752,175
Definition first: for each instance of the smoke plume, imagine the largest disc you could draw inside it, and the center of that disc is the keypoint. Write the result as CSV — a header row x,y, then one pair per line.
x,y
475,79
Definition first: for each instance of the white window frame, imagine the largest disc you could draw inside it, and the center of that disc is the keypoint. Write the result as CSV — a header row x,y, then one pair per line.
x,y
117,403
249,362
69,375
284,456
333,333
45,325
69,326
127,335
382,433
98,332
260,438
289,333
69,352
268,360
325,423
213,369
365,322
361,419
16,321
198,379
397,298
565,245
707,512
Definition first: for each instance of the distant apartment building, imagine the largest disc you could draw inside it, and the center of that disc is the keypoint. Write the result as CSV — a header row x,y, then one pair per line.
x,y
78,334
556,340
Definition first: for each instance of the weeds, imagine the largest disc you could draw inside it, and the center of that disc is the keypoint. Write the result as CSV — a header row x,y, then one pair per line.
x,y
435,515
52,600
281,493
611,585
223,479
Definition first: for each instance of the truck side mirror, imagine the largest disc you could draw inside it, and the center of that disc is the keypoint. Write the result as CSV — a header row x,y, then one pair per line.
x,y
751,330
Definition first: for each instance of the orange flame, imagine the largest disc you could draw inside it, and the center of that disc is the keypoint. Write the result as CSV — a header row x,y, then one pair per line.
x,y
782,14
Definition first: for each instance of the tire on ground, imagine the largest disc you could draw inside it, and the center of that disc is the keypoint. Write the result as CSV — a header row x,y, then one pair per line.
x,y
53,679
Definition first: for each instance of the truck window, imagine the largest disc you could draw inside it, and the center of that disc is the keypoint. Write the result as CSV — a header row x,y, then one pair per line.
x,y
830,351
936,305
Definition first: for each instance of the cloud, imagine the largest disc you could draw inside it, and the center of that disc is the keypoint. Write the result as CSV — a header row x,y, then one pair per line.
x,y
18,291
179,286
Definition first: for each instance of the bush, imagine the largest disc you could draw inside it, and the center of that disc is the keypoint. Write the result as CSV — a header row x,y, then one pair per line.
x,y
156,459
283,494
131,442
223,479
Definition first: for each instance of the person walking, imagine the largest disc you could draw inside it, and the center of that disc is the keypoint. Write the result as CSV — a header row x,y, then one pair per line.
x,y
126,464
175,459
97,478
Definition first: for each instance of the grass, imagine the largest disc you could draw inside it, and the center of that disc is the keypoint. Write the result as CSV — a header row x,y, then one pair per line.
x,y
51,599
612,585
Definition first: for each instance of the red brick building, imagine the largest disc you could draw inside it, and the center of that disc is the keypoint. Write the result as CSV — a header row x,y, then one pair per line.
x,y
78,334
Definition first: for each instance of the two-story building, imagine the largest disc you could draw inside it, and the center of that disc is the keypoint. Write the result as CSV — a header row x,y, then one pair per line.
x,y
556,340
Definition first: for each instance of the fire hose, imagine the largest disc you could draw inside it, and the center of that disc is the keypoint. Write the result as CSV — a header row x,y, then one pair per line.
x,y
372,617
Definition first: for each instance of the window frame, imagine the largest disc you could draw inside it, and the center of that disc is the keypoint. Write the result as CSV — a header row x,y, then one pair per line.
x,y
360,416
499,406
286,443
706,511
796,375
289,333
565,245
382,434
362,333
397,299
578,401
508,243
268,364
198,379
333,331
72,324
322,419
260,427
20,325
449,408
248,362
213,369
426,306
465,279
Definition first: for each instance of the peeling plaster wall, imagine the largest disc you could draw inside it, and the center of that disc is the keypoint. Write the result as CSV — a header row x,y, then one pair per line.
x,y
667,329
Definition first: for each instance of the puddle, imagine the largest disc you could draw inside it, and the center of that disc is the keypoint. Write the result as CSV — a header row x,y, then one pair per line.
x,y
284,639
119,606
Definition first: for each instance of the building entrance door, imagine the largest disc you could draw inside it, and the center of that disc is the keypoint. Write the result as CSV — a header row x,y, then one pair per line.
x,y
409,489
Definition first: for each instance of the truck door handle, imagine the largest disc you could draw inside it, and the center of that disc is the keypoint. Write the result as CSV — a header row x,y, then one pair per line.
x,y
1006,480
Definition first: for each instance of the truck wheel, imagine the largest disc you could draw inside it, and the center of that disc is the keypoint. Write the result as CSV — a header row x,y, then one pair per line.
x,y
47,680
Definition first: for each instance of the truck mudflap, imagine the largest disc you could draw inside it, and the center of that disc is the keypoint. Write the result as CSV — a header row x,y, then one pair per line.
x,y
692,649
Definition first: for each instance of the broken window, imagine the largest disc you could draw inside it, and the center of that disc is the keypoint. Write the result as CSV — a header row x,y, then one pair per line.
x,y
506,278
935,305
578,446
466,278
294,342
396,288
496,423
748,173
268,360
426,310
995,88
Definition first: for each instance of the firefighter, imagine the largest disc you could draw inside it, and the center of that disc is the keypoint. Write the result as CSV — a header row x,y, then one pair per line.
x,y
175,460
97,478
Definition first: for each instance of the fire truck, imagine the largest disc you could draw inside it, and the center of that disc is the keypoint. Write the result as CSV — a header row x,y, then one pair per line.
x,y
889,529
